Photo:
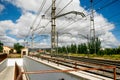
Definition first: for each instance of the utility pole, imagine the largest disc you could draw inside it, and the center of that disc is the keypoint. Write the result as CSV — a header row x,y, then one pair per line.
x,y
57,42
32,41
92,26
32,37
53,24
53,30
88,49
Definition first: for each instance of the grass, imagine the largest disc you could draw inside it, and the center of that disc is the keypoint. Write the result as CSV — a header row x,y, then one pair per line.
x,y
14,56
108,57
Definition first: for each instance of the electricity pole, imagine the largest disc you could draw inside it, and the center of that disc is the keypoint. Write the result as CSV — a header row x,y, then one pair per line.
x,y
92,26
53,30
57,43
32,41
53,24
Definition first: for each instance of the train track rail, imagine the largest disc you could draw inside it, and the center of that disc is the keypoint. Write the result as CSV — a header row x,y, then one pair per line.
x,y
80,62
106,73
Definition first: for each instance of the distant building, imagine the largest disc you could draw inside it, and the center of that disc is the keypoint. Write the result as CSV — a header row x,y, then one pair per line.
x,y
8,50
102,48
24,51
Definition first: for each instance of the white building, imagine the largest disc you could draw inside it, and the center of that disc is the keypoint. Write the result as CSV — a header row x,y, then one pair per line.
x,y
24,51
7,49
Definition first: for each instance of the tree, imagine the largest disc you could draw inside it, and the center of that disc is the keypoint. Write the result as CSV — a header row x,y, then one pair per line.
x,y
94,45
82,48
68,49
98,44
18,47
118,50
73,48
1,46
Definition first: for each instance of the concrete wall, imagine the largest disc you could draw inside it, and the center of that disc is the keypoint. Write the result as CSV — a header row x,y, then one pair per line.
x,y
3,65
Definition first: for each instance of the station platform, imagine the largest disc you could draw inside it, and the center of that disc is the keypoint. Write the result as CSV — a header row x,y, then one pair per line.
x,y
83,74
8,72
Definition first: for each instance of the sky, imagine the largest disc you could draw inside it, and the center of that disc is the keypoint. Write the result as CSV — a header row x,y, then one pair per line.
x,y
19,19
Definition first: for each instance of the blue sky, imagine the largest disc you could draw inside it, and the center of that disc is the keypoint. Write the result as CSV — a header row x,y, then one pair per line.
x,y
110,12
16,11
10,12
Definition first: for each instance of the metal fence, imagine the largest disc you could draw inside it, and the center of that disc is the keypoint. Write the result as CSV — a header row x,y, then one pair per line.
x,y
75,66
19,73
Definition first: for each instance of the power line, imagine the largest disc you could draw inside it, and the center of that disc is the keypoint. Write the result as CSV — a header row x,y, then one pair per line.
x,y
94,11
89,14
59,2
43,29
42,6
49,7
64,7
100,8
38,13
97,2
101,29
112,2
88,8
39,10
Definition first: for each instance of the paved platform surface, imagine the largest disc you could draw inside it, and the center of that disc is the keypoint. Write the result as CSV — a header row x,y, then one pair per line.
x,y
7,74
83,74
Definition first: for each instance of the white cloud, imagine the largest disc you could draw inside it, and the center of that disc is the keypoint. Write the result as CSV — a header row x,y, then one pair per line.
x,y
109,40
31,5
22,25
9,41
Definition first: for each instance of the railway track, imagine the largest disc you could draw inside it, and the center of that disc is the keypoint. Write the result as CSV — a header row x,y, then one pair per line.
x,y
106,73
80,62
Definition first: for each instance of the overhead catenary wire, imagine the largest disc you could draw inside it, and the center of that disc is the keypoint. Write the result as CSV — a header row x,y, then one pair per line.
x,y
38,13
107,23
112,2
98,10
102,29
105,6
95,3
42,29
39,10
49,8
42,6
88,8
59,3
94,11
64,7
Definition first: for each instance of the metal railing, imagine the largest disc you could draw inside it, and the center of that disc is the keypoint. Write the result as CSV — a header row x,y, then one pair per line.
x,y
2,57
75,67
18,73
